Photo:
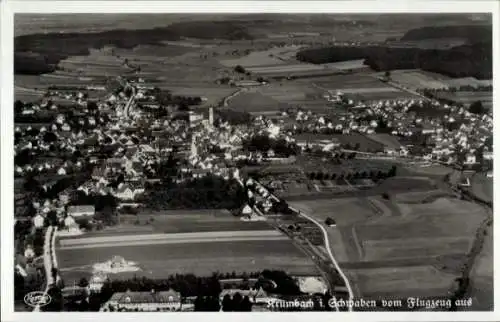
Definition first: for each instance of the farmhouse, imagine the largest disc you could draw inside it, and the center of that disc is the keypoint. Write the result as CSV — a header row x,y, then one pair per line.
x,y
144,301
81,211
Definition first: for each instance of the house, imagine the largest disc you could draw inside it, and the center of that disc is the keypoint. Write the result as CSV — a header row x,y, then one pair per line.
x,y
246,210
488,155
317,140
29,253
38,221
81,211
144,301
256,296
470,158
128,191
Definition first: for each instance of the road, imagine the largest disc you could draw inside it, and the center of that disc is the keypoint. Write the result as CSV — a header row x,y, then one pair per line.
x,y
49,245
329,252
327,246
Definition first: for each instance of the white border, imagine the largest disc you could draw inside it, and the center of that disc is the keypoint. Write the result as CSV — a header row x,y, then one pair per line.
x,y
6,117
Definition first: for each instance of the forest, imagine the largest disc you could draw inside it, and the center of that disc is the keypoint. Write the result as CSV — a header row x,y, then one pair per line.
x,y
40,53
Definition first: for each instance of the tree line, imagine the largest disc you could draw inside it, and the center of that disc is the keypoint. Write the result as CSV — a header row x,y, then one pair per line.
x,y
377,175
205,289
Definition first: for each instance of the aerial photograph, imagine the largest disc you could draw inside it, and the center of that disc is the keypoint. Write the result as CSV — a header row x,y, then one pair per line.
x,y
253,162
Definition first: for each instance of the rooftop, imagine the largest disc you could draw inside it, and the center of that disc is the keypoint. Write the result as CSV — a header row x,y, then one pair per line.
x,y
145,297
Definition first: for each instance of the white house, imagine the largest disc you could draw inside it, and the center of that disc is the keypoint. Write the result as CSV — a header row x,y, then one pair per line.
x,y
38,221
488,155
470,158
29,253
247,210
144,301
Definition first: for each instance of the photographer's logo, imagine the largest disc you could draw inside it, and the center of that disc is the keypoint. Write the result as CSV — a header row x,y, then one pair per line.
x,y
37,298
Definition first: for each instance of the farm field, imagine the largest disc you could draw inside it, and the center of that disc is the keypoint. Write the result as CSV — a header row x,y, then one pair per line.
x,y
176,222
272,56
27,95
363,87
255,102
389,141
400,282
482,275
294,93
469,81
175,238
482,187
427,242
468,98
162,51
416,78
347,65
158,261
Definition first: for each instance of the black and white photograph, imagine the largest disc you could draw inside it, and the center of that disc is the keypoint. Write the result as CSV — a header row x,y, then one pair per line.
x,y
250,162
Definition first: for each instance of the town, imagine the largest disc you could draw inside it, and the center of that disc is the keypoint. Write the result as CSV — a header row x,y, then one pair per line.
x,y
257,177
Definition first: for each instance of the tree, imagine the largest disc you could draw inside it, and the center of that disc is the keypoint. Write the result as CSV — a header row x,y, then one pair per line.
x,y
51,219
239,69
237,302
83,282
392,171
477,108
227,303
49,137
246,305
18,107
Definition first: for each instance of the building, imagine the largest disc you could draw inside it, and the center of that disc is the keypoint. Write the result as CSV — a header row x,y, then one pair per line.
x,y
144,301
81,211
211,116
326,141
256,296
38,221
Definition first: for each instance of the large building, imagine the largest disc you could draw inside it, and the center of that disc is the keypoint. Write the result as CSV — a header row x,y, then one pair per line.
x,y
144,301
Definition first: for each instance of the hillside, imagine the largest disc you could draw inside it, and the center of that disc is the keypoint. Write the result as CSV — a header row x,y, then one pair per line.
x,y
473,60
38,53
473,33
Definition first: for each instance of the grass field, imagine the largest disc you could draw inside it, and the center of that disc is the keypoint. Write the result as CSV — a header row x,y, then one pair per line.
x,y
198,242
255,102
415,79
157,261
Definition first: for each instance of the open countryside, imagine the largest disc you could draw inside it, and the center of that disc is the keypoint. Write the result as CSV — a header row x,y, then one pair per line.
x,y
216,163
